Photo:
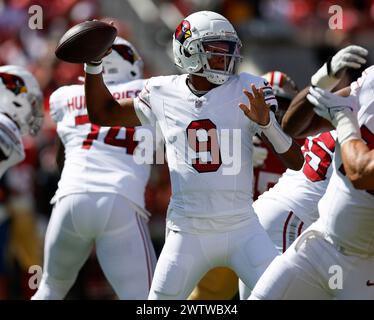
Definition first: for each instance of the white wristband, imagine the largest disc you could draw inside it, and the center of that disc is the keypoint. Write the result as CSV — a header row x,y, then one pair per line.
x,y
276,136
91,69
323,80
347,127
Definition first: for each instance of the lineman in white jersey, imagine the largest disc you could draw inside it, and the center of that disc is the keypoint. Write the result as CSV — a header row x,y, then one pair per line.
x,y
21,112
334,257
100,196
291,206
285,213
210,215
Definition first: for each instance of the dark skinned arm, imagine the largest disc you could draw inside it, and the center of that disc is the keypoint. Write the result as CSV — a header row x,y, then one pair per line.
x,y
60,154
358,163
103,109
300,121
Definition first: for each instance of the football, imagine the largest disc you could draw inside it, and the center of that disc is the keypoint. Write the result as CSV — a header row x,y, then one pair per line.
x,y
86,41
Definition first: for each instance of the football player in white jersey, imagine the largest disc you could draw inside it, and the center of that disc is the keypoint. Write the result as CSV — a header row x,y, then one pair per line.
x,y
334,257
21,112
285,214
100,196
282,213
210,217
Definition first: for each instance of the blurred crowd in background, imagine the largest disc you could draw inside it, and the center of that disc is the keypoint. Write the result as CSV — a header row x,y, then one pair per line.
x,y
289,35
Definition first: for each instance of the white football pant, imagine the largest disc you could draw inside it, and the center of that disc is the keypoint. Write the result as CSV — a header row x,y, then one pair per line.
x,y
121,237
282,226
313,268
186,257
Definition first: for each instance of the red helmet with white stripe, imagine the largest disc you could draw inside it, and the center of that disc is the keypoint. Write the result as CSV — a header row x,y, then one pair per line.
x,y
283,86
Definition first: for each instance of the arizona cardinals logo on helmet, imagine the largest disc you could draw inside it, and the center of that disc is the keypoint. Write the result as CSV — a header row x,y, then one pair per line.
x,y
13,83
183,31
125,52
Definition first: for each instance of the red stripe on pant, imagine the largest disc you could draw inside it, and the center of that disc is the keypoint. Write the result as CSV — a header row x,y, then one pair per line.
x,y
146,249
285,231
299,229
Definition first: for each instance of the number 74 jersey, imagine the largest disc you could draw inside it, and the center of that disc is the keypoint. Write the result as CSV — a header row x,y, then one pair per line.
x,y
97,159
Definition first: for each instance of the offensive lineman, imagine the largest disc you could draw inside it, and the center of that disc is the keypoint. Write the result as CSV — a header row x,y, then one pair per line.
x,y
210,216
100,196
343,235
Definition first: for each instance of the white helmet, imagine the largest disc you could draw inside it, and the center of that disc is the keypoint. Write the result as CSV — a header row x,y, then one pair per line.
x,y
197,30
283,86
123,64
21,98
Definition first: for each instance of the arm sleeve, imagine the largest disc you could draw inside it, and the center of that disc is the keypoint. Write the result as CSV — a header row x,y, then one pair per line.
x,y
143,107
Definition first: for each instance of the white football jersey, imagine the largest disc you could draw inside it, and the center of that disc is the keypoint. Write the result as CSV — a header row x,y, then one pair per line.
x,y
301,190
10,144
97,159
209,148
347,214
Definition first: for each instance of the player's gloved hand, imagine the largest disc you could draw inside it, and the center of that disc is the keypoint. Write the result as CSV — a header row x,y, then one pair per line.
x,y
259,153
327,104
36,124
340,111
36,120
327,76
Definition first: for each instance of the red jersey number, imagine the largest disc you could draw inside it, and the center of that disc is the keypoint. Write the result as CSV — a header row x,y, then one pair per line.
x,y
111,136
210,145
318,159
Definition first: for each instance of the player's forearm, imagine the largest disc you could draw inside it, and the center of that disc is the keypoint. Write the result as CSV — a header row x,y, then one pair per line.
x,y
100,102
358,163
301,121
299,116
60,155
292,158
285,147
103,109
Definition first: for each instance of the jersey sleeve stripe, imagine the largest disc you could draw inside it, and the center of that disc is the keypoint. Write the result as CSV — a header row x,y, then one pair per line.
x,y
143,101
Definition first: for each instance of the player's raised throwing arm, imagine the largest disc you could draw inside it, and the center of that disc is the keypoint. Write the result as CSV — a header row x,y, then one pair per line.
x,y
102,108
258,111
